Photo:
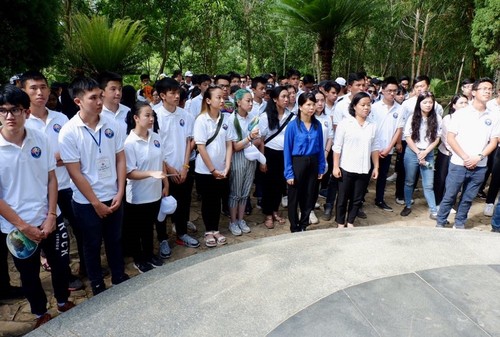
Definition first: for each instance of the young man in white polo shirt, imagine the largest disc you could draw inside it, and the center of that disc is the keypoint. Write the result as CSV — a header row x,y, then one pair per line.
x,y
258,92
355,84
194,104
28,202
50,123
91,147
472,134
112,85
387,115
176,132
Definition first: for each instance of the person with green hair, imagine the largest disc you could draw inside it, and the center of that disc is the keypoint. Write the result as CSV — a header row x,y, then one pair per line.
x,y
242,169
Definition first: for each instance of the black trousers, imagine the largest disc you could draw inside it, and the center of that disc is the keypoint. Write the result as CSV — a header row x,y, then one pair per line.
x,y
139,220
56,248
352,187
384,164
211,191
489,170
4,265
495,178
274,182
440,173
303,192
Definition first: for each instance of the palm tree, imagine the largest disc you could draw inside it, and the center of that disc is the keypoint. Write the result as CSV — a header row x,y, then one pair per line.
x,y
327,20
94,45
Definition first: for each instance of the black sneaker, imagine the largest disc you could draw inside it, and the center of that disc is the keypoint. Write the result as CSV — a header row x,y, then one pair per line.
x,y
120,279
328,214
384,206
97,289
74,283
248,207
142,267
405,212
362,214
155,261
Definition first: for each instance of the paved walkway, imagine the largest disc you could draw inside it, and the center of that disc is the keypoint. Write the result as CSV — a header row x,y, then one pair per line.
x,y
280,286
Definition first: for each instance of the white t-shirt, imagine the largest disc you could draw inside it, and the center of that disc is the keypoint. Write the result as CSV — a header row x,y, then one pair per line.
x,y
257,108
355,143
143,155
277,143
51,127
78,143
120,117
175,128
473,131
493,105
24,176
204,129
423,142
195,106
388,120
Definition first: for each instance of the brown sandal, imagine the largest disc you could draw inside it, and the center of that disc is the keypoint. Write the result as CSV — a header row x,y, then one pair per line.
x,y
280,220
269,223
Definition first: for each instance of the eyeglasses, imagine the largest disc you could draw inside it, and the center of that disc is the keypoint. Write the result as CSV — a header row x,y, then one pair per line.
x,y
485,89
14,111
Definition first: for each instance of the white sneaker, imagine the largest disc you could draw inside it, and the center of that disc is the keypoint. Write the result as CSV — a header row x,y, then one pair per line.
x,y
234,228
190,227
393,177
452,211
244,227
313,218
316,205
402,201
284,201
488,210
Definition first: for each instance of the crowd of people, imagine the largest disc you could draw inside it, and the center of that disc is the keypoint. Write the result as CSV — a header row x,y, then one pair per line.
x,y
102,157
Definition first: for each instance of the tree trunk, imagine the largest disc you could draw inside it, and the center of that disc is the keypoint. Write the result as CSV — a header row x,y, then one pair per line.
x,y
460,73
325,50
415,41
389,53
422,47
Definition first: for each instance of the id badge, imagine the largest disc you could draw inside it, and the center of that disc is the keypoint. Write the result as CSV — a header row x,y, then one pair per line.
x,y
103,168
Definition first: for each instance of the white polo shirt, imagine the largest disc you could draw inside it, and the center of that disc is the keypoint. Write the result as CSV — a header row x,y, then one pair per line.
x,y
143,155
473,131
24,177
493,105
257,108
278,142
329,111
195,106
355,143
388,120
119,117
341,109
78,143
243,121
423,142
51,127
175,128
444,147
326,127
204,129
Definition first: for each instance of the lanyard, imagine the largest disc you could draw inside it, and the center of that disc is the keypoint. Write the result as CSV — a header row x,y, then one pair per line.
x,y
95,140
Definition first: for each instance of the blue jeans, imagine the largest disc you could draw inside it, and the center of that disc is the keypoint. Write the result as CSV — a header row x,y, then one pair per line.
x,y
94,230
411,168
459,176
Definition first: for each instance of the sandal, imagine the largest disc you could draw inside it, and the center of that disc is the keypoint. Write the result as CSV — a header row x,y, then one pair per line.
x,y
221,239
280,220
45,264
210,240
269,223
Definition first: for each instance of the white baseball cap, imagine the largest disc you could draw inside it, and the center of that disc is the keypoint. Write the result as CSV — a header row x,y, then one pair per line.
x,y
341,81
168,206
188,74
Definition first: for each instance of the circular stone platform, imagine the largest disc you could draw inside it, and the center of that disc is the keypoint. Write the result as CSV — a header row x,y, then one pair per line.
x,y
377,281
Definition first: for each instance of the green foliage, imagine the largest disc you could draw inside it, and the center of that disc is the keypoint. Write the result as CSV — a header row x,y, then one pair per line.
x,y
486,32
96,45
30,35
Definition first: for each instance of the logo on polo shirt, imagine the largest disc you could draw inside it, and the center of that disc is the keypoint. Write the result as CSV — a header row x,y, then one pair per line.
x,y
487,122
56,128
395,115
181,122
224,126
36,152
109,133
157,143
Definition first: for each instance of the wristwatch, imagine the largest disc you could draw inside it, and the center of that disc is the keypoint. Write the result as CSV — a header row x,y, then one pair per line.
x,y
481,156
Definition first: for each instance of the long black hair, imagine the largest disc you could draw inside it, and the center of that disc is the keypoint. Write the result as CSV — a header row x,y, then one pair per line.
x,y
454,100
432,122
272,109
